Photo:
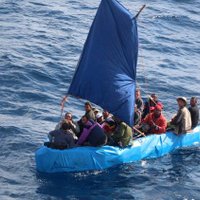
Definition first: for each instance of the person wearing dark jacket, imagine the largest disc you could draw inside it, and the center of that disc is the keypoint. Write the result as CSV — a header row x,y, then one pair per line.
x,y
61,139
89,113
92,134
194,111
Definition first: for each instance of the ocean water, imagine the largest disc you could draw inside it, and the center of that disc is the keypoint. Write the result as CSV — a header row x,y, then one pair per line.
x,y
40,44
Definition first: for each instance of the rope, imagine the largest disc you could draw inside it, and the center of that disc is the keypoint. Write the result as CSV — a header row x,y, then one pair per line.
x,y
62,105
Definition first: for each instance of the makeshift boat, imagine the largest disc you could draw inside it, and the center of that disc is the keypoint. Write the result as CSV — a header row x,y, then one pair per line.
x,y
106,76
93,158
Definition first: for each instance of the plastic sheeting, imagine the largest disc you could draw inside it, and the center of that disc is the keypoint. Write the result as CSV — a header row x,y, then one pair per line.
x,y
92,158
106,72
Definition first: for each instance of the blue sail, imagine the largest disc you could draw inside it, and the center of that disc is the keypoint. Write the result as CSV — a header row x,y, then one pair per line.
x,y
106,72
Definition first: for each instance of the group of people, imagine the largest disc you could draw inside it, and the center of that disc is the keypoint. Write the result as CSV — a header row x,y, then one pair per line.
x,y
150,119
96,128
93,129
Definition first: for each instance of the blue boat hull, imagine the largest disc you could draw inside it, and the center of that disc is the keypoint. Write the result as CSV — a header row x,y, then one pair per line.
x,y
93,158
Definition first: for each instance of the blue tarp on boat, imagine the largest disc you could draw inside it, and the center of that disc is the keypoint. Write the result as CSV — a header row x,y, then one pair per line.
x,y
106,72
93,158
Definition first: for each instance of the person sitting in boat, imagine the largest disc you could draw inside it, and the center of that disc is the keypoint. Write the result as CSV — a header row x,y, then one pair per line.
x,y
89,113
109,126
74,128
149,105
139,101
122,134
137,116
155,122
106,115
182,121
61,139
92,134
99,118
95,110
194,111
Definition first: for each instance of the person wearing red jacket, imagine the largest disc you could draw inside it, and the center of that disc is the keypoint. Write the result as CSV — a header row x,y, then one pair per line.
x,y
155,122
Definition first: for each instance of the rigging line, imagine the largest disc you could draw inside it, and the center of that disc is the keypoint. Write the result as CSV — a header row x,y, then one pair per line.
x,y
143,71
140,49
141,9
62,104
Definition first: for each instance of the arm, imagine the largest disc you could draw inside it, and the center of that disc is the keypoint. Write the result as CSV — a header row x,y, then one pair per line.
x,y
58,126
141,105
147,119
76,127
177,119
73,127
83,136
86,133
162,126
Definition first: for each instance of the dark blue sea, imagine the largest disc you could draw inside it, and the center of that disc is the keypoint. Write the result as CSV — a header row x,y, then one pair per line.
x,y
40,44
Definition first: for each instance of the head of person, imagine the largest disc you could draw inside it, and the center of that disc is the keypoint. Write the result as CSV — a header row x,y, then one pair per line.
x,y
182,101
68,116
105,114
96,111
84,119
109,126
65,126
137,93
154,97
157,110
193,101
117,120
99,117
88,106
160,104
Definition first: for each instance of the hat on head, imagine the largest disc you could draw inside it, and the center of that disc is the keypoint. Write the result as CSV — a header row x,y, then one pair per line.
x,y
98,115
184,99
65,126
160,104
158,107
